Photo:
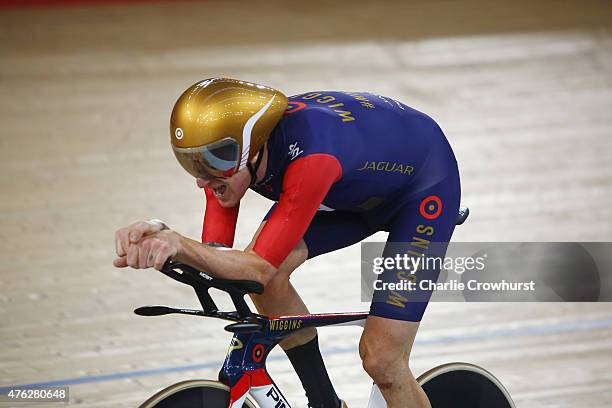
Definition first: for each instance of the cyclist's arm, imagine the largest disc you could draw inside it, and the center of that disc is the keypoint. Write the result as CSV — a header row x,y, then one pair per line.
x,y
305,185
219,222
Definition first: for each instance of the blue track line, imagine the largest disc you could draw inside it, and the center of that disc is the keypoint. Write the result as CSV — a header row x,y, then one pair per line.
x,y
486,335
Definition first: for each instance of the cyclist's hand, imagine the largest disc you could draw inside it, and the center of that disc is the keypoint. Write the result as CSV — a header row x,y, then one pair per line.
x,y
124,237
151,251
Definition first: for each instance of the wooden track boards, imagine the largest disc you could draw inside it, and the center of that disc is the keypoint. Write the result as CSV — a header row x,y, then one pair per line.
x,y
522,89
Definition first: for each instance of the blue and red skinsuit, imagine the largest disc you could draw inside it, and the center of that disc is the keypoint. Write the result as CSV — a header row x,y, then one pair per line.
x,y
342,166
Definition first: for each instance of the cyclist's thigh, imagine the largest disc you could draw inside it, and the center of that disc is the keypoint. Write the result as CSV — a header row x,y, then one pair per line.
x,y
332,230
422,226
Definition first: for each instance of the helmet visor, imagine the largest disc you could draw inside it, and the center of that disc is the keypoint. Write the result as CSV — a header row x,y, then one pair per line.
x,y
215,160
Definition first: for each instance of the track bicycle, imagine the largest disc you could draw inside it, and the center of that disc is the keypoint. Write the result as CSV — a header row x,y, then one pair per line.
x,y
243,379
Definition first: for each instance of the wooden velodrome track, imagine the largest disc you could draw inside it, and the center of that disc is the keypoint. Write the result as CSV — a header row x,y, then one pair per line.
x,y
523,90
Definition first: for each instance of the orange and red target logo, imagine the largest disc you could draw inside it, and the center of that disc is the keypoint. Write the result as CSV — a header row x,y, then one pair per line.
x,y
431,207
258,353
293,107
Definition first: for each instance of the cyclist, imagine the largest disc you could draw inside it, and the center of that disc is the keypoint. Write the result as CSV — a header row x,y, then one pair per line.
x,y
340,167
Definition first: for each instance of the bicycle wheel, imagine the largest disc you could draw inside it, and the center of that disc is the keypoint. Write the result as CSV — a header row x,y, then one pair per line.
x,y
464,385
194,394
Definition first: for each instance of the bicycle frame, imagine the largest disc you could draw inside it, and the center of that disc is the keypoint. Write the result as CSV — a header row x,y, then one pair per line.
x,y
244,368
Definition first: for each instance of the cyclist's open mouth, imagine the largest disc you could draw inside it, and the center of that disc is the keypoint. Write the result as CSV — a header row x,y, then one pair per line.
x,y
219,190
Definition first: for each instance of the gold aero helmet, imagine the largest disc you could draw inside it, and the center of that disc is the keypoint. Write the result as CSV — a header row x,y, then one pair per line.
x,y
218,125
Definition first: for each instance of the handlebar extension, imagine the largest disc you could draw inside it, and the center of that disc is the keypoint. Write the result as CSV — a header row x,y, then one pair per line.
x,y
201,283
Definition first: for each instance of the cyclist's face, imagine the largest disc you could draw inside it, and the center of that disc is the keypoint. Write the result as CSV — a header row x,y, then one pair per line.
x,y
228,190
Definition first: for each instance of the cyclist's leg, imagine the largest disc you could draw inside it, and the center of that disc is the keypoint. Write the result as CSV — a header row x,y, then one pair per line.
x,y
394,320
280,297
328,231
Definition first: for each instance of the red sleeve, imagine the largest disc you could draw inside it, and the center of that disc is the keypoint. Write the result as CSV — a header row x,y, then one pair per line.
x,y
219,222
305,185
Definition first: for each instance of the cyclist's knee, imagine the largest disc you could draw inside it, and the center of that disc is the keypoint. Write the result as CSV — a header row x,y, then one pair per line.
x,y
385,350
277,286
385,366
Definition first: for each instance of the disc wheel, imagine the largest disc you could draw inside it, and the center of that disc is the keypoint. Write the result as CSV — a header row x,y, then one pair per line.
x,y
194,394
464,385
